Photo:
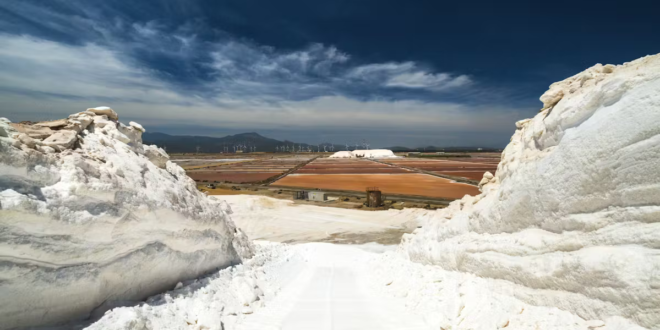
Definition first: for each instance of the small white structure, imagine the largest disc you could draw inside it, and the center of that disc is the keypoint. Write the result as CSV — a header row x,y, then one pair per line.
x,y
317,196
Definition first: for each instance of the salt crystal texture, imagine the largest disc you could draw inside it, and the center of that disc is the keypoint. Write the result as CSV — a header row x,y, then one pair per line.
x,y
572,217
90,216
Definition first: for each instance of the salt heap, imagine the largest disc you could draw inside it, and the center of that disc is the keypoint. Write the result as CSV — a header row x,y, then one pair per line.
x,y
374,153
89,216
572,217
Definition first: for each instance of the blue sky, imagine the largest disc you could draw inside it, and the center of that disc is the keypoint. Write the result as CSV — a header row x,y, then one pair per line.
x,y
406,73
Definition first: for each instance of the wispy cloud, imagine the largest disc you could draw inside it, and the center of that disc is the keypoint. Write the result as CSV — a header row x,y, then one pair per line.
x,y
31,65
407,75
242,62
146,30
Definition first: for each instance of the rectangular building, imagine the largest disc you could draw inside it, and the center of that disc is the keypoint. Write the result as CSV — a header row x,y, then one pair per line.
x,y
317,196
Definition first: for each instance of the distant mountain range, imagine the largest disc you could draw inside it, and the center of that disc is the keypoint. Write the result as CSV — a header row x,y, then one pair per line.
x,y
255,142
205,144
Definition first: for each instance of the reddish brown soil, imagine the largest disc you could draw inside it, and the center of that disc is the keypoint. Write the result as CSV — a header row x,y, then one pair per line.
x,y
345,166
352,171
245,172
481,160
452,167
211,176
403,184
468,168
442,163
472,175
455,168
465,162
324,166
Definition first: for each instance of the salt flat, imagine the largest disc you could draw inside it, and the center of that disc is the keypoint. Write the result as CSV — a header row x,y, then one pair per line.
x,y
276,220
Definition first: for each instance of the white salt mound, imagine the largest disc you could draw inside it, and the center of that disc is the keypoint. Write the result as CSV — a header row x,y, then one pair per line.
x,y
342,154
572,217
89,216
374,153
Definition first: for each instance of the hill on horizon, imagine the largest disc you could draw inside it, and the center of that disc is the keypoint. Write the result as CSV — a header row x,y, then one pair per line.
x,y
207,144
252,141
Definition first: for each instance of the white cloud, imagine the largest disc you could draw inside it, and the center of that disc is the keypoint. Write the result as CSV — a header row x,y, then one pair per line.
x,y
420,79
147,30
245,61
37,66
369,70
315,71
406,75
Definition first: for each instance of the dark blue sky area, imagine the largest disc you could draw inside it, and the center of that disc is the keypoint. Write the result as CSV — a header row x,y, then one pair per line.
x,y
491,38
467,69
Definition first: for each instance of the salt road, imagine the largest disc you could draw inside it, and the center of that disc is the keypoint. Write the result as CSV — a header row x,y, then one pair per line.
x,y
331,292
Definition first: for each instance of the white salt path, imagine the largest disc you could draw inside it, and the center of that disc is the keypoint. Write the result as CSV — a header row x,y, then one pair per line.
x,y
331,292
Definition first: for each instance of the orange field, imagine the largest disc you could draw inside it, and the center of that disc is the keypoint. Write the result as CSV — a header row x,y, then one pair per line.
x,y
248,171
348,166
401,184
469,168
233,177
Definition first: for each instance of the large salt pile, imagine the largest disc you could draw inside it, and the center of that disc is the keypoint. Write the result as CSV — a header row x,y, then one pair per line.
x,y
373,153
342,154
572,217
91,217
